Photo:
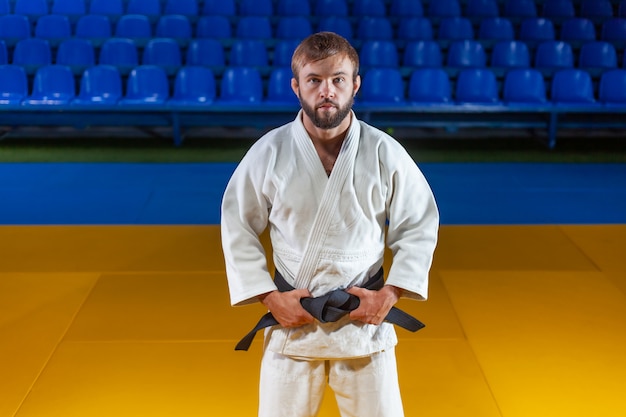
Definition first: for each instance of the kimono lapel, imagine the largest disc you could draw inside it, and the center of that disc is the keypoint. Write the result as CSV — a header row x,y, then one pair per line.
x,y
330,197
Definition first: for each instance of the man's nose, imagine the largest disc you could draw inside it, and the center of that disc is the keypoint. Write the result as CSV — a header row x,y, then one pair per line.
x,y
327,89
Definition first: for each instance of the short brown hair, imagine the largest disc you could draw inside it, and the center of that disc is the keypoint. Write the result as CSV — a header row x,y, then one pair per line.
x,y
320,46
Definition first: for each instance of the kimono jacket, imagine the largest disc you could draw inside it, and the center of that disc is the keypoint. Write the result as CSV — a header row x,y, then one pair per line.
x,y
328,232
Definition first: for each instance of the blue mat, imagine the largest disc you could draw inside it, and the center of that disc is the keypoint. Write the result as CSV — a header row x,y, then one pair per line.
x,y
467,193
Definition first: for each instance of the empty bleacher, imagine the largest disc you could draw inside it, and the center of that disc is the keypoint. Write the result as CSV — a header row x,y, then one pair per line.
x,y
544,64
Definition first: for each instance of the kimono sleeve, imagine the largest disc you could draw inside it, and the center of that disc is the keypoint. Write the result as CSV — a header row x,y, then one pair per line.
x,y
244,216
413,224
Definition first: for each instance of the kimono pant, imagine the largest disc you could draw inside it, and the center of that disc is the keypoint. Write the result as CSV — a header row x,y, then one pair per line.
x,y
363,387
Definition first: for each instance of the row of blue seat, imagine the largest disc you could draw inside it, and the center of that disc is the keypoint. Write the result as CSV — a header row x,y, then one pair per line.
x,y
356,8
505,53
165,52
57,26
196,86
146,85
480,86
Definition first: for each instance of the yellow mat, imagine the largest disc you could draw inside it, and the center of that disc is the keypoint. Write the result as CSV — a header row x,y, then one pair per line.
x,y
133,321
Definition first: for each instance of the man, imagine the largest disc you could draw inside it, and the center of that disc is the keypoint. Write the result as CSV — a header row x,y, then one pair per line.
x,y
332,190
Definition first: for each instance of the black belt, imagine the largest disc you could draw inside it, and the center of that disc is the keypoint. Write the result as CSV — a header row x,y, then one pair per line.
x,y
331,307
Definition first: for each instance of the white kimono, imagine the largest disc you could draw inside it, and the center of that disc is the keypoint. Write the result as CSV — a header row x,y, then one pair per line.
x,y
281,182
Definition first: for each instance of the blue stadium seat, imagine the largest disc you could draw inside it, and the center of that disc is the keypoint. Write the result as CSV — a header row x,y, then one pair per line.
x,y
99,85
557,10
134,26
379,28
572,86
482,8
4,53
93,27
578,29
241,86
31,8
248,53
614,30
256,8
76,54
612,88
293,27
5,7
496,28
52,85
596,9
406,8
55,28
554,54
13,28
187,8
175,26
597,54
283,51
621,9
219,8
444,8
455,28
425,53
13,85
279,88
510,54
163,52
466,53
193,86
73,9
382,54
520,8
328,8
415,28
149,8
430,86
121,53
32,53
382,86
373,8
113,9
339,25
537,29
524,86
207,53
254,27
217,27
476,85
293,8
146,85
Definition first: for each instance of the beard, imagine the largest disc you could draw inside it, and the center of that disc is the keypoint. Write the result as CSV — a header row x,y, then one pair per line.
x,y
326,120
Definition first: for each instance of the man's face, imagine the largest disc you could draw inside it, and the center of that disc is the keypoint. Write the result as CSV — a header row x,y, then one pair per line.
x,y
326,90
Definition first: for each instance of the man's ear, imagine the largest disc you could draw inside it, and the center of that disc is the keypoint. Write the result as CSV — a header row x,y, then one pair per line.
x,y
295,86
357,84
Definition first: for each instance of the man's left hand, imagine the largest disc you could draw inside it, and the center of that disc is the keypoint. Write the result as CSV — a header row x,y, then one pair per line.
x,y
374,305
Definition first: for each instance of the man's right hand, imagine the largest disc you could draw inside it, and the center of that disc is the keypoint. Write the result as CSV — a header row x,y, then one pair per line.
x,y
286,307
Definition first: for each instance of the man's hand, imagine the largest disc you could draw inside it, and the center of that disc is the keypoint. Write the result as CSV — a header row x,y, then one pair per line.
x,y
286,307
374,305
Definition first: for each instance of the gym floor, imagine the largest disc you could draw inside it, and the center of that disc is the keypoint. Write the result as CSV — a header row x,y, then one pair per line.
x,y
113,299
